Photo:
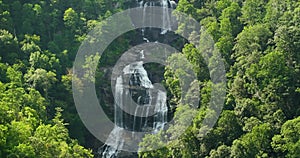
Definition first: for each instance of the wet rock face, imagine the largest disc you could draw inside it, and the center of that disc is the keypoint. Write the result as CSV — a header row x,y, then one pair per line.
x,y
139,94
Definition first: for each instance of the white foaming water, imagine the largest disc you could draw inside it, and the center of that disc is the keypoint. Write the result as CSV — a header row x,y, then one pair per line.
x,y
117,136
139,74
161,110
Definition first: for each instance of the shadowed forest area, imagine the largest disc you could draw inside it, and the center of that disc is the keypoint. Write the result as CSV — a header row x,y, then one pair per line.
x,y
259,41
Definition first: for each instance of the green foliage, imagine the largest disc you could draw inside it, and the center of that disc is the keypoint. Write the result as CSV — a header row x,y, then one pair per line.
x,y
263,60
288,141
30,44
259,40
152,143
40,79
45,60
53,141
70,18
253,11
186,7
252,38
196,58
253,144
8,47
222,151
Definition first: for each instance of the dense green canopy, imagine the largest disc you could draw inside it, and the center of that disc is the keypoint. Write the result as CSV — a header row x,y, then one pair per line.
x,y
259,41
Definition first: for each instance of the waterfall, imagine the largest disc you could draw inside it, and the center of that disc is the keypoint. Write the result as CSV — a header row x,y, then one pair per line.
x,y
165,16
166,20
139,80
135,83
160,110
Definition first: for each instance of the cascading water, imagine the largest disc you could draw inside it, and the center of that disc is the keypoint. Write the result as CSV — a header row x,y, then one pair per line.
x,y
165,4
165,16
142,91
139,87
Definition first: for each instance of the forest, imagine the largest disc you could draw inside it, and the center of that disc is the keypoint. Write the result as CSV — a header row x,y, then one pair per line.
x,y
259,41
